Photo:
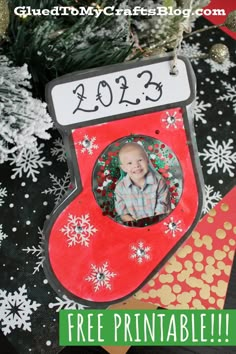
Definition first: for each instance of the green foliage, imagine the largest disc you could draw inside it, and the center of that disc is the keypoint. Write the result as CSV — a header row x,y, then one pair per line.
x,y
55,45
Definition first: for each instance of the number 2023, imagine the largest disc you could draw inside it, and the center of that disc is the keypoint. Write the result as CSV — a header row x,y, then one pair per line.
x,y
105,95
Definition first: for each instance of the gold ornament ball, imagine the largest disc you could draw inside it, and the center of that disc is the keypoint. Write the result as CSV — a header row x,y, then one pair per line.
x,y
4,17
219,52
230,22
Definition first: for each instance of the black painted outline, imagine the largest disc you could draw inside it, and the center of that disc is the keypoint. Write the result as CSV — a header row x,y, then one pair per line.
x,y
66,132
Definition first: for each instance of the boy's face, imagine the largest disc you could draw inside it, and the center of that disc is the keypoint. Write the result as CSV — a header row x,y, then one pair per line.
x,y
135,163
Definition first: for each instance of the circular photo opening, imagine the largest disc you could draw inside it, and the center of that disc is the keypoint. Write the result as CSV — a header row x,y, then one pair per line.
x,y
137,181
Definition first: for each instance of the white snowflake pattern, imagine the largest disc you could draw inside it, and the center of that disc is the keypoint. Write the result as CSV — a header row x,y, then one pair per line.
x,y
192,51
28,163
172,226
65,304
88,144
220,156
78,230
59,150
171,120
100,276
140,252
59,186
37,252
224,67
15,310
3,193
212,198
230,94
199,110
3,236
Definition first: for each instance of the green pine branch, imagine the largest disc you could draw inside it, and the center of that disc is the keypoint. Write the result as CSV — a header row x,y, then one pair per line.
x,y
55,45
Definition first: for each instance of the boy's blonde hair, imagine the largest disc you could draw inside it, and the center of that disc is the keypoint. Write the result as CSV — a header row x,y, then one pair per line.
x,y
129,147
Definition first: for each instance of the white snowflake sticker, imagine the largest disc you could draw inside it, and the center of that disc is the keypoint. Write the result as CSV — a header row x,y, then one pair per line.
x,y
15,310
212,198
65,304
100,276
88,144
2,235
78,230
172,226
219,156
140,252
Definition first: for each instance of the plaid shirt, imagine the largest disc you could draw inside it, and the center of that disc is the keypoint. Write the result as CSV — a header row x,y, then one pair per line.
x,y
152,199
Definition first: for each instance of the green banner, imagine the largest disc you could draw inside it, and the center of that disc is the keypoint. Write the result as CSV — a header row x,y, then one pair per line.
x,y
147,327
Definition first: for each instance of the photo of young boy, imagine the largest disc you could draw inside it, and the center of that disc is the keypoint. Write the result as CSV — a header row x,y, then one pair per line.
x,y
143,192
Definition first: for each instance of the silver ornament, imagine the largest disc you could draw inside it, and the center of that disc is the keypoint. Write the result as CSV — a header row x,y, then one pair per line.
x,y
230,21
219,53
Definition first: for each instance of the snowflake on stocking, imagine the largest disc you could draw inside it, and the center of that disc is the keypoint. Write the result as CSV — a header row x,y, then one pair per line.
x,y
171,120
140,252
88,144
78,230
172,226
100,276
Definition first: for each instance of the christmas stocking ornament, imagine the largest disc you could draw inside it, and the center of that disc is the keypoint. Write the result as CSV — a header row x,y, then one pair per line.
x,y
137,195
